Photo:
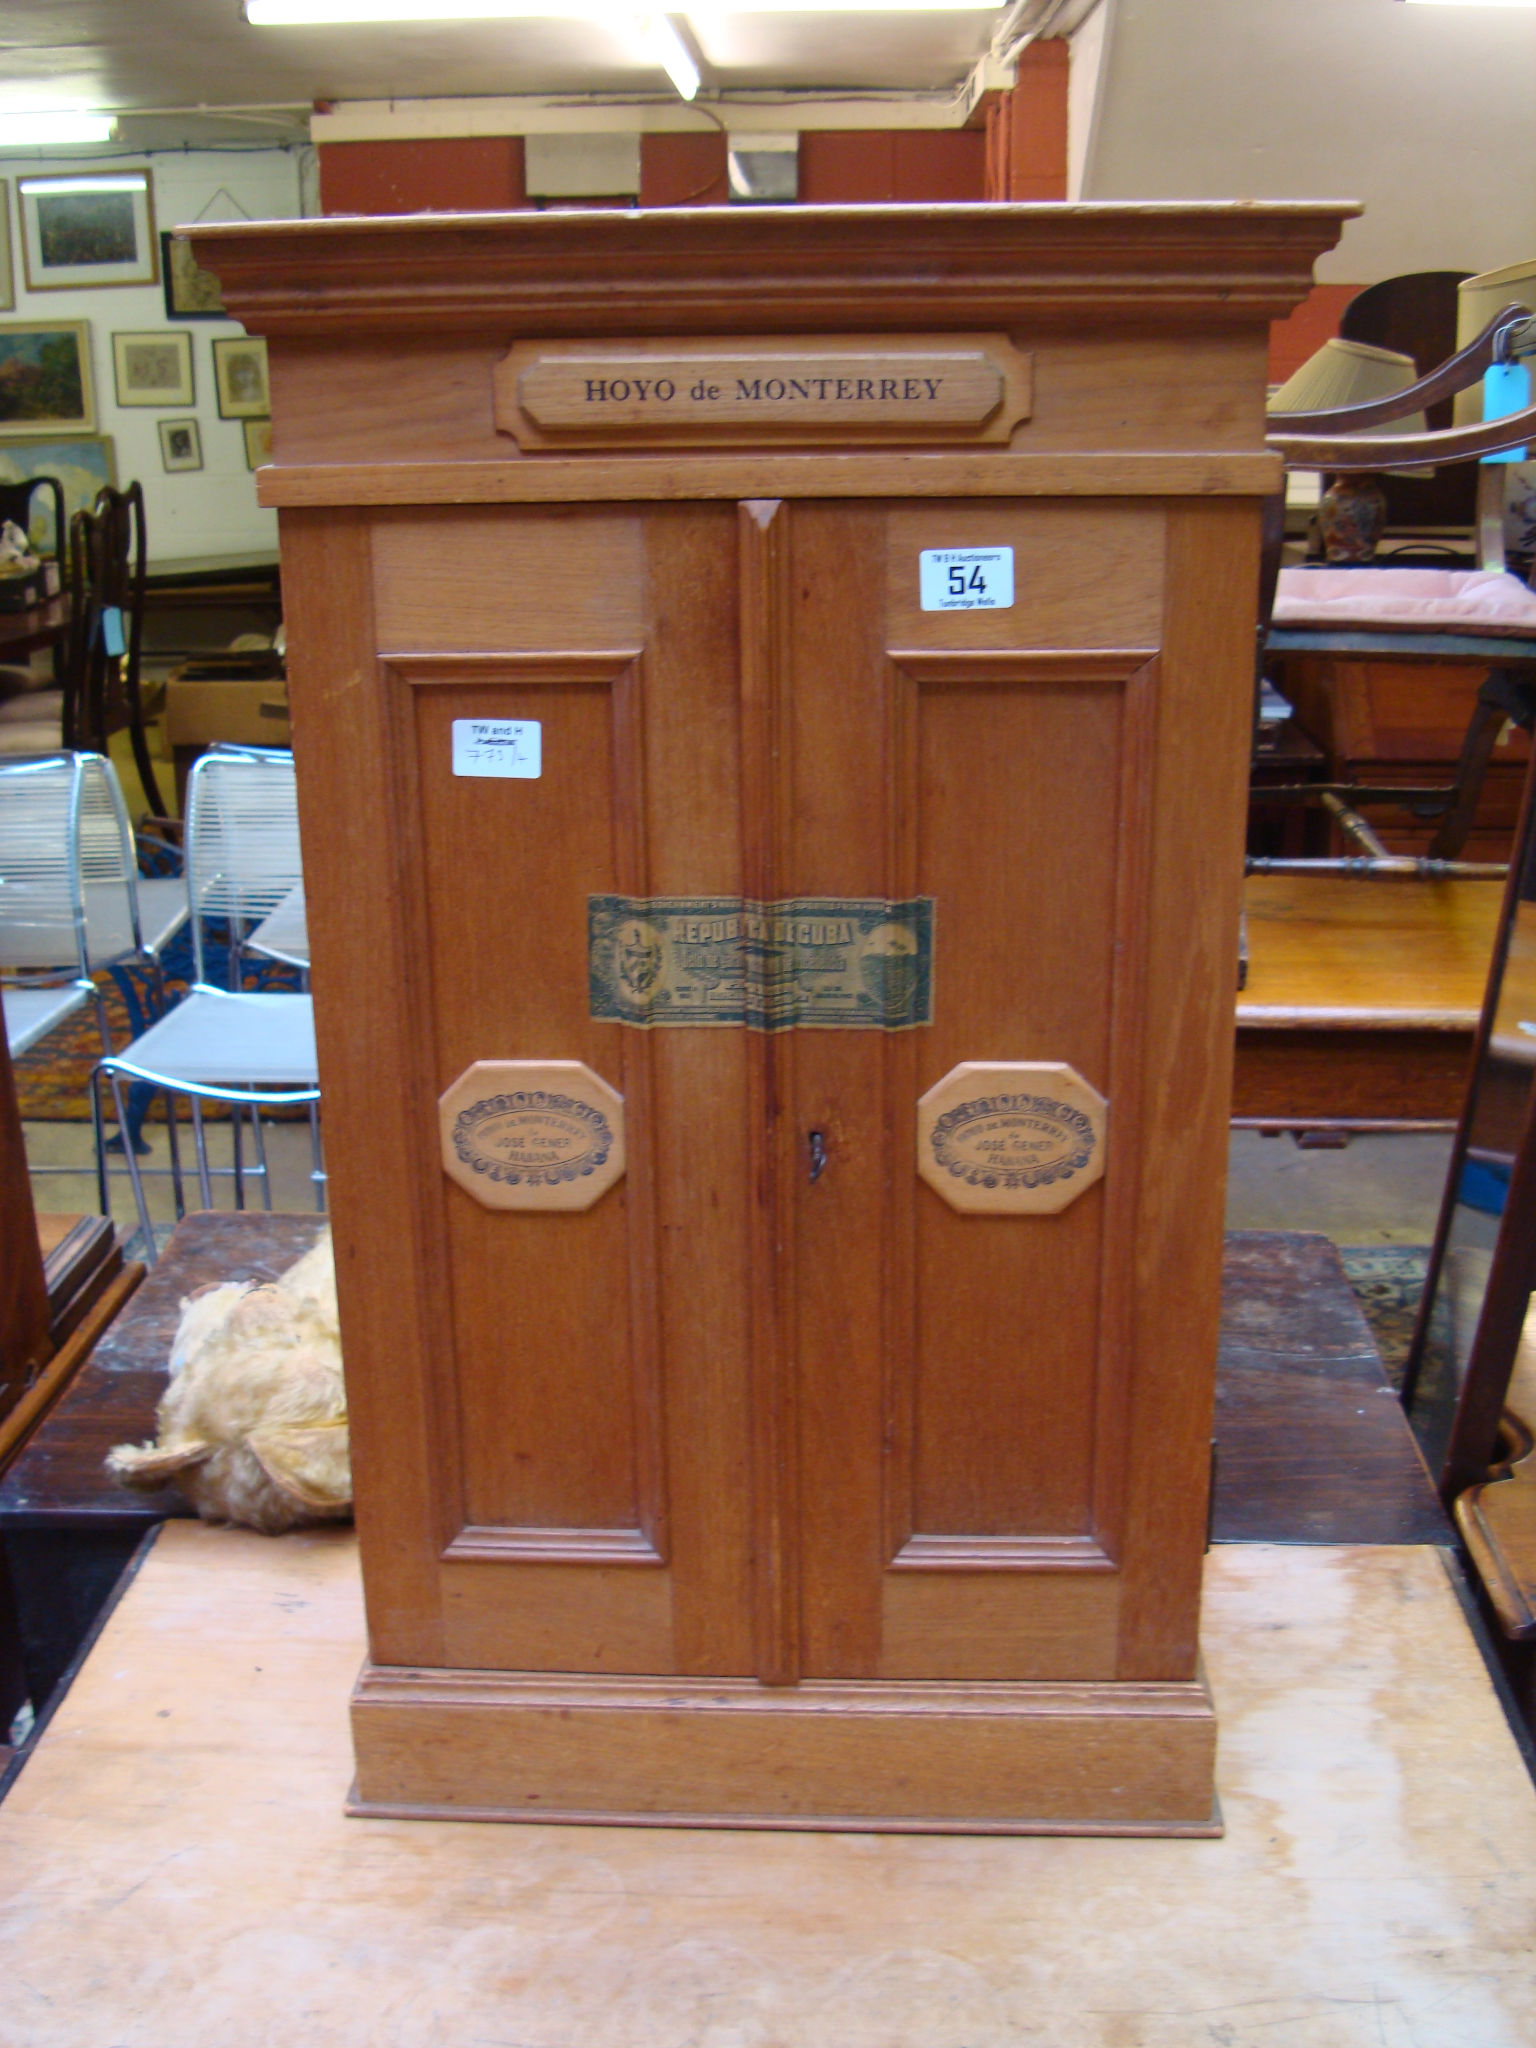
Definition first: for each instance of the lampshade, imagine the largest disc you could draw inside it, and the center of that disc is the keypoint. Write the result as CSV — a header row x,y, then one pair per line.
x,y
1477,300
1351,373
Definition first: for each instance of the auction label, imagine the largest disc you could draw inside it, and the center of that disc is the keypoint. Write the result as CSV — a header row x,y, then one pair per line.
x,y
965,579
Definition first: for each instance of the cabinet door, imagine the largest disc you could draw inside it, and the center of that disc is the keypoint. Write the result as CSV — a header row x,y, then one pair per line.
x,y
549,1410
771,1406
1002,1421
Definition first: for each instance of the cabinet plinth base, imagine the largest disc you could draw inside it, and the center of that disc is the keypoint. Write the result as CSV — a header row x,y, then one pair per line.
x,y
1105,1758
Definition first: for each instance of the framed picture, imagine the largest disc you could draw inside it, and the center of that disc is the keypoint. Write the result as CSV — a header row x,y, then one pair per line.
x,y
94,229
258,443
153,369
45,378
7,268
181,444
240,372
82,465
191,293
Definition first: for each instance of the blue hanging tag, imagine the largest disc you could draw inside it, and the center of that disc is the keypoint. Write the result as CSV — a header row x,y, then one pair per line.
x,y
112,629
1506,389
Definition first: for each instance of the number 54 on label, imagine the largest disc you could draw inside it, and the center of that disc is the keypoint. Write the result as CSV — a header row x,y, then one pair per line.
x,y
965,579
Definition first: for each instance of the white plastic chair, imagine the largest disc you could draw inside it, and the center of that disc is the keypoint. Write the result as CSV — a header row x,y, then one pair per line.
x,y
249,1049
71,900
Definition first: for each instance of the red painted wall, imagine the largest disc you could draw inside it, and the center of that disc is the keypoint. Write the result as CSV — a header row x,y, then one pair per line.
x,y
852,166
683,170
1314,321
1027,129
449,174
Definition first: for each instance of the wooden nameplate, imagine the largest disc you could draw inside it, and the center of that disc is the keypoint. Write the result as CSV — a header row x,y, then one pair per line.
x,y
1079,1758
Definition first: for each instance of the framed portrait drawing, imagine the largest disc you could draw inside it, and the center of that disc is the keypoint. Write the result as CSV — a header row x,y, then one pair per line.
x,y
7,267
181,445
191,293
45,378
258,443
87,231
82,465
153,369
240,372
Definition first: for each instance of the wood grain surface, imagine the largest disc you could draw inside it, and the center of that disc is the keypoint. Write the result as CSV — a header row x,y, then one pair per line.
x,y
770,1423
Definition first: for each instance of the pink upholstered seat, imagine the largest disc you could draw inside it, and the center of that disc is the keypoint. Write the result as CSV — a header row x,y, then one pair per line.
x,y
1406,600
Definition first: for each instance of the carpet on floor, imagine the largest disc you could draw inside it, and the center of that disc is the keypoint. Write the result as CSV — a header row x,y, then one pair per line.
x,y
1388,1281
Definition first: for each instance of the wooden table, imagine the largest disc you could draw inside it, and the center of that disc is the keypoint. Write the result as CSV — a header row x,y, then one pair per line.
x,y
43,625
175,1864
1313,1447
1361,1001
1393,707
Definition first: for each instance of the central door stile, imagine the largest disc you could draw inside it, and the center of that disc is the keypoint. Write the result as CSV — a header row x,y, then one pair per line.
x,y
767,814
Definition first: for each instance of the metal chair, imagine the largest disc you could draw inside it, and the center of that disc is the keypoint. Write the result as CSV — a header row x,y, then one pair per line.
x,y
248,1049
71,903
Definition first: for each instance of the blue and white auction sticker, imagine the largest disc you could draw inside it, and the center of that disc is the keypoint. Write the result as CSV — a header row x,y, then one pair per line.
x,y
965,579
498,746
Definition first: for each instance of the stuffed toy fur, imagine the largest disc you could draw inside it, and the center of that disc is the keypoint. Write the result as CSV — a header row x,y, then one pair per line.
x,y
253,1425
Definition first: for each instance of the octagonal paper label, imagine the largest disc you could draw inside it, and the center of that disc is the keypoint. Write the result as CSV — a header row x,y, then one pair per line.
x,y
1018,1137
532,1134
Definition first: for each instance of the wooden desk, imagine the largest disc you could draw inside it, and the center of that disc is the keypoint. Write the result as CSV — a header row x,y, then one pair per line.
x,y
1362,999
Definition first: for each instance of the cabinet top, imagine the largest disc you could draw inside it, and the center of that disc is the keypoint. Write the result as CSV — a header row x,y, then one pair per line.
x,y
762,269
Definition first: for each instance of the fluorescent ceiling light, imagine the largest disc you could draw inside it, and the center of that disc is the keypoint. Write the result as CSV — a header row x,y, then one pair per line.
x,y
35,130
300,13
1472,3
125,181
670,52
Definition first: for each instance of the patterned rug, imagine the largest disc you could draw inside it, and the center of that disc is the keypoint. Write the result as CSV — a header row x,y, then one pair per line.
x,y
1388,1280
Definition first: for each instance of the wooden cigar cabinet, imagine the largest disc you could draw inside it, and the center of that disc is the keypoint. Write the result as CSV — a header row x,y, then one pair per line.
x,y
772,692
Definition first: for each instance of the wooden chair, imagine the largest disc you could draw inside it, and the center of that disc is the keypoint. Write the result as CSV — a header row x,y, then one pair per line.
x,y
33,715
107,581
1337,441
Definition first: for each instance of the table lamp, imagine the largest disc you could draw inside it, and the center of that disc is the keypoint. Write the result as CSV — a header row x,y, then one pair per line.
x,y
1353,510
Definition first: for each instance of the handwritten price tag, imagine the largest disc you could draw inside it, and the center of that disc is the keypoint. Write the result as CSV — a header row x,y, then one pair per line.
x,y
498,746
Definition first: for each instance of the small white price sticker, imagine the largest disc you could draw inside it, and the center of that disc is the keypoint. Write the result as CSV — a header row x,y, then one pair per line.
x,y
498,746
965,579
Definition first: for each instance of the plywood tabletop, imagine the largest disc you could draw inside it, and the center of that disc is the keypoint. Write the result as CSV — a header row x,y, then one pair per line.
x,y
174,1863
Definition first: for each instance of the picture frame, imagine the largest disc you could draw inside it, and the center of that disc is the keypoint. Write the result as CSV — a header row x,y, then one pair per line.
x,y
240,375
153,368
88,231
258,443
82,463
45,378
181,445
7,264
191,293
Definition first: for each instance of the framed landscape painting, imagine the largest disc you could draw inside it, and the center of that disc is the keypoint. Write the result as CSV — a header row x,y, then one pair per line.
x,y
45,378
93,229
82,466
153,369
240,372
